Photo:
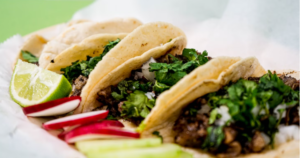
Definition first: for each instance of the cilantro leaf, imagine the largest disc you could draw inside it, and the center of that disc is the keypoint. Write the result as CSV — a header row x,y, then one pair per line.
x,y
85,67
137,105
170,73
29,57
243,96
160,87
156,133
214,138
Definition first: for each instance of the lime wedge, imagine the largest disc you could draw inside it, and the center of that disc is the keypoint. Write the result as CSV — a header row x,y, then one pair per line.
x,y
31,85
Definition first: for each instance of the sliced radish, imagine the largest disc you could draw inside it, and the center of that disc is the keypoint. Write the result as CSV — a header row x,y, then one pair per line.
x,y
96,131
78,119
104,123
52,108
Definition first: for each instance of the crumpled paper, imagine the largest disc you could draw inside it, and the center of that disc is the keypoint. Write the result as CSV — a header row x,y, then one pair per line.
x,y
266,29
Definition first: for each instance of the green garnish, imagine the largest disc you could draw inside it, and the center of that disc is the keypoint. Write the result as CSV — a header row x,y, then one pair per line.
x,y
170,73
137,105
29,57
85,67
193,111
111,117
166,75
214,138
129,85
156,133
243,96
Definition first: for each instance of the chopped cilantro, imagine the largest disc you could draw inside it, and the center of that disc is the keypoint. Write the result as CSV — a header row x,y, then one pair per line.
x,y
214,138
85,67
156,133
160,87
243,96
170,73
137,105
193,111
111,117
29,57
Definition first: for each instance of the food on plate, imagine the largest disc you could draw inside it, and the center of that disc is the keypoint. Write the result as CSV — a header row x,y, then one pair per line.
x,y
78,119
90,146
52,108
78,32
228,116
148,37
32,85
90,51
32,48
163,151
98,131
102,123
122,72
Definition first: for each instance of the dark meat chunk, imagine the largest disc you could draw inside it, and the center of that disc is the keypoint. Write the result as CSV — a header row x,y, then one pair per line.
x,y
104,96
257,143
287,80
292,116
230,135
120,106
290,81
233,149
78,85
191,130
255,79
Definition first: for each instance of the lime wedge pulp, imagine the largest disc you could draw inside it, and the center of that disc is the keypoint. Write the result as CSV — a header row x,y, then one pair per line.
x,y
31,85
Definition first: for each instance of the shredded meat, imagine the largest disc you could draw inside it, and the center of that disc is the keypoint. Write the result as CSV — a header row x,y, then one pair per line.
x,y
287,80
191,128
290,81
230,135
104,96
78,85
292,116
233,149
257,143
120,106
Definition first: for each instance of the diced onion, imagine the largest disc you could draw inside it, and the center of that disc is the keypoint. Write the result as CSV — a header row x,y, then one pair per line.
x,y
145,69
223,111
276,112
150,95
287,133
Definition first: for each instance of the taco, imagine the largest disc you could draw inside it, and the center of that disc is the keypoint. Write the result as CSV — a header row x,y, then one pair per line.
x,y
34,43
148,37
79,31
238,111
130,91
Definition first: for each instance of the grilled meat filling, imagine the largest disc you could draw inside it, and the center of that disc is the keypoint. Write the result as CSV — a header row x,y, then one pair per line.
x,y
192,127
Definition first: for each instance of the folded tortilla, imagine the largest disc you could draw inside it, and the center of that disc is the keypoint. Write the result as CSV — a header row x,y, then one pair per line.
x,y
143,42
207,79
76,33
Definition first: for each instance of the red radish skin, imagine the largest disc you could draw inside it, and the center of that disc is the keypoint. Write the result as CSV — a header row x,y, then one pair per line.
x,y
93,131
52,108
78,119
104,123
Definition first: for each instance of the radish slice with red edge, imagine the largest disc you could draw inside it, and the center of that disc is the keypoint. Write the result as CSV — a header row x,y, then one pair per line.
x,y
95,131
104,123
52,108
78,119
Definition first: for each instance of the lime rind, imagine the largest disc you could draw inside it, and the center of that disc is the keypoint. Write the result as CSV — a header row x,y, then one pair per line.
x,y
33,85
